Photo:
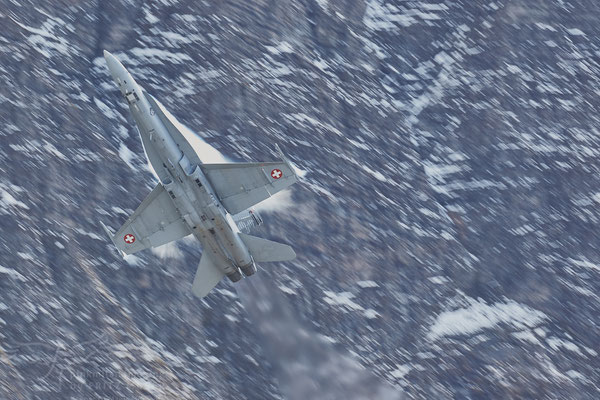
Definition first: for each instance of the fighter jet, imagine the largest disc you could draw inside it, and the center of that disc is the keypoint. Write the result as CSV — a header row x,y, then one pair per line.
x,y
210,201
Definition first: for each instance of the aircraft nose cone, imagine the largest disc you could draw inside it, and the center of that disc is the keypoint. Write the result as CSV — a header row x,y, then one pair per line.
x,y
111,60
115,67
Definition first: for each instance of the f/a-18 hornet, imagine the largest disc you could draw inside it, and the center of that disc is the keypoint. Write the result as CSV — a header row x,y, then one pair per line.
x,y
210,201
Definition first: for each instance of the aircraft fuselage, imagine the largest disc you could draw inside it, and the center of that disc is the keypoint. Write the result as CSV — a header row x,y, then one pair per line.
x,y
188,187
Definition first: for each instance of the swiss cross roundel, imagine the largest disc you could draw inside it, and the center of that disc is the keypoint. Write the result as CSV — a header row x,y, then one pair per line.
x,y
276,174
129,238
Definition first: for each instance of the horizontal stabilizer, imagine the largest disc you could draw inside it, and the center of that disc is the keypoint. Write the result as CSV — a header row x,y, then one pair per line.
x,y
264,250
207,276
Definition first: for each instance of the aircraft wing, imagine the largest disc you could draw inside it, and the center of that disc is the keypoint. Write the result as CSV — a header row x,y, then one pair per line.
x,y
242,185
155,222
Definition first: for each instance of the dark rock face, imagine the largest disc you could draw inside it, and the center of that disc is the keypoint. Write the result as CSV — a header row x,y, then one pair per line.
x,y
446,227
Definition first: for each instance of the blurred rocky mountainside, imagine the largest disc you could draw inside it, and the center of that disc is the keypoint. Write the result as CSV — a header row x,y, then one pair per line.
x,y
446,227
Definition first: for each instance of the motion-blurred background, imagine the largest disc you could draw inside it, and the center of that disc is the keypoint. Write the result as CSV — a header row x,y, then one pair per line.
x,y
446,228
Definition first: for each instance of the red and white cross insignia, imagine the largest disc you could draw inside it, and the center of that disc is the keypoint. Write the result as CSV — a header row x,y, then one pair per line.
x,y
276,174
129,238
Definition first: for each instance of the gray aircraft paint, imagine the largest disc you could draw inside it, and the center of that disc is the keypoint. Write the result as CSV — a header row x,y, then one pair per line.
x,y
196,198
